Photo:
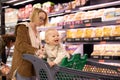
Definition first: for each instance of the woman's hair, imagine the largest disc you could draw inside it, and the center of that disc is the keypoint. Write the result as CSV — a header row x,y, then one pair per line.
x,y
36,12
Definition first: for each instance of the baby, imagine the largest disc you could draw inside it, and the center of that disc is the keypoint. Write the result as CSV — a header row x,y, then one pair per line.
x,y
54,50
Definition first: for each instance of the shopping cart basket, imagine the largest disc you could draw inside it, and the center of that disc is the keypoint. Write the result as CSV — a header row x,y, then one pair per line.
x,y
91,71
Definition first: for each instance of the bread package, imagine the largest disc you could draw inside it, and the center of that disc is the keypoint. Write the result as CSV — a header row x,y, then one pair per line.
x,y
70,17
78,16
109,14
117,50
80,33
88,32
98,50
109,51
117,13
90,14
99,13
71,33
116,30
107,31
98,32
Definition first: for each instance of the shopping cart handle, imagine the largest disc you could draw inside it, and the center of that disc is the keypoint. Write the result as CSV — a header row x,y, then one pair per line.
x,y
39,64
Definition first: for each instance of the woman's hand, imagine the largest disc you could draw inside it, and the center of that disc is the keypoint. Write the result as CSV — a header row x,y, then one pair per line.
x,y
40,52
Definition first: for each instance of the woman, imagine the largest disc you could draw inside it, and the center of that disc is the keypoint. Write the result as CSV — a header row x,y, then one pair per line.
x,y
27,41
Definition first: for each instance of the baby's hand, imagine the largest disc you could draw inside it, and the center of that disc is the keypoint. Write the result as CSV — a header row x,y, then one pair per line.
x,y
51,64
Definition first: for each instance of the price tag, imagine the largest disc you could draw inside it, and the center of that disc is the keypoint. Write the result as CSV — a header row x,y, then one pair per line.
x,y
118,21
88,24
101,60
71,26
103,42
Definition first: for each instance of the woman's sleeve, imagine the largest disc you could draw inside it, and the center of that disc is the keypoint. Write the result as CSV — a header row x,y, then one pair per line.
x,y
22,43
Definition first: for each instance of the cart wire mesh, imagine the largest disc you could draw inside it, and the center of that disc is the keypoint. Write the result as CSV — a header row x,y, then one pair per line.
x,y
91,71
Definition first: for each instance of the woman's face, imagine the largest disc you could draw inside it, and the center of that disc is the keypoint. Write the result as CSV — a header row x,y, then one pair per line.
x,y
40,19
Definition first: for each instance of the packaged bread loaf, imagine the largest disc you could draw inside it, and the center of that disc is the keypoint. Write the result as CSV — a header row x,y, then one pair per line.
x,y
116,30
107,31
98,32
117,13
80,33
109,51
70,17
117,49
109,14
78,16
88,33
99,13
71,33
90,14
98,50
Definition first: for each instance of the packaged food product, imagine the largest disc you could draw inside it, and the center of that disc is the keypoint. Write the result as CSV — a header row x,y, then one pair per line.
x,y
88,33
90,14
98,50
109,51
116,30
109,14
80,33
98,32
117,50
70,17
99,13
107,31
78,15
117,13
71,33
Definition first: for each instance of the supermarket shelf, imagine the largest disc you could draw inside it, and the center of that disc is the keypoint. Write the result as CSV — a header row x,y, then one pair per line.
x,y
88,23
107,61
77,24
60,13
100,5
105,23
95,39
105,58
45,28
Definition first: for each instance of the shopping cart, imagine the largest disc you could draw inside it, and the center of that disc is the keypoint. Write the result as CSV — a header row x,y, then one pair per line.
x,y
91,71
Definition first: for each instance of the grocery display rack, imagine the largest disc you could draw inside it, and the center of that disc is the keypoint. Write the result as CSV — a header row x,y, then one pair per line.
x,y
91,71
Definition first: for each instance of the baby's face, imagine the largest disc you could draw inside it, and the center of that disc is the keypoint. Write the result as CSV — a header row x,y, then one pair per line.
x,y
53,38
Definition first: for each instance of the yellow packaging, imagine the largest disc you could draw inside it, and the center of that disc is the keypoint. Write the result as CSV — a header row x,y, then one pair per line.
x,y
88,32
98,32
116,31
80,33
107,31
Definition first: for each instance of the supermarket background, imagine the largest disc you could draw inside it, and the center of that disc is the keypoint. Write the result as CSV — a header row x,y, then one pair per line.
x,y
85,26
